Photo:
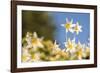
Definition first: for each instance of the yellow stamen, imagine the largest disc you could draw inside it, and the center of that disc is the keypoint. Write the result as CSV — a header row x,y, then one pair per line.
x,y
76,28
68,26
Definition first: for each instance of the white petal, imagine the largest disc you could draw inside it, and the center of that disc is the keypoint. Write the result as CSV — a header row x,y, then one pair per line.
x,y
67,20
77,23
55,42
71,21
77,32
35,34
80,27
66,30
40,45
71,30
80,30
73,25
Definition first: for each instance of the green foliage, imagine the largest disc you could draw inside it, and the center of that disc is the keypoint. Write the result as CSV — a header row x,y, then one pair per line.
x,y
37,21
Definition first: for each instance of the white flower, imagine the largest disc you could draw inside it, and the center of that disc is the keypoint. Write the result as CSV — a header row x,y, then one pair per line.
x,y
33,41
70,45
68,25
36,42
77,28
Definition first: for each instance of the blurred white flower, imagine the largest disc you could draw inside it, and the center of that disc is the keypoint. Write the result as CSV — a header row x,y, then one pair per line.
x,y
68,25
70,45
77,28
36,42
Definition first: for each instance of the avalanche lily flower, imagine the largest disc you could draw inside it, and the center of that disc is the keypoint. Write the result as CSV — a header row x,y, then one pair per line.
x,y
77,28
68,25
36,42
70,45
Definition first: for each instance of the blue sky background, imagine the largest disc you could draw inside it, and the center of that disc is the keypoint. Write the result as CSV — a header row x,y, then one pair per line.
x,y
60,32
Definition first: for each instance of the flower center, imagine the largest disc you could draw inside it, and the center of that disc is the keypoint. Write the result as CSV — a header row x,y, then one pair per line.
x,y
76,28
67,26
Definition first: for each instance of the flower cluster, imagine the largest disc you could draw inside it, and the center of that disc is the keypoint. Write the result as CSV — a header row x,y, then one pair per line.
x,y
37,49
71,27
